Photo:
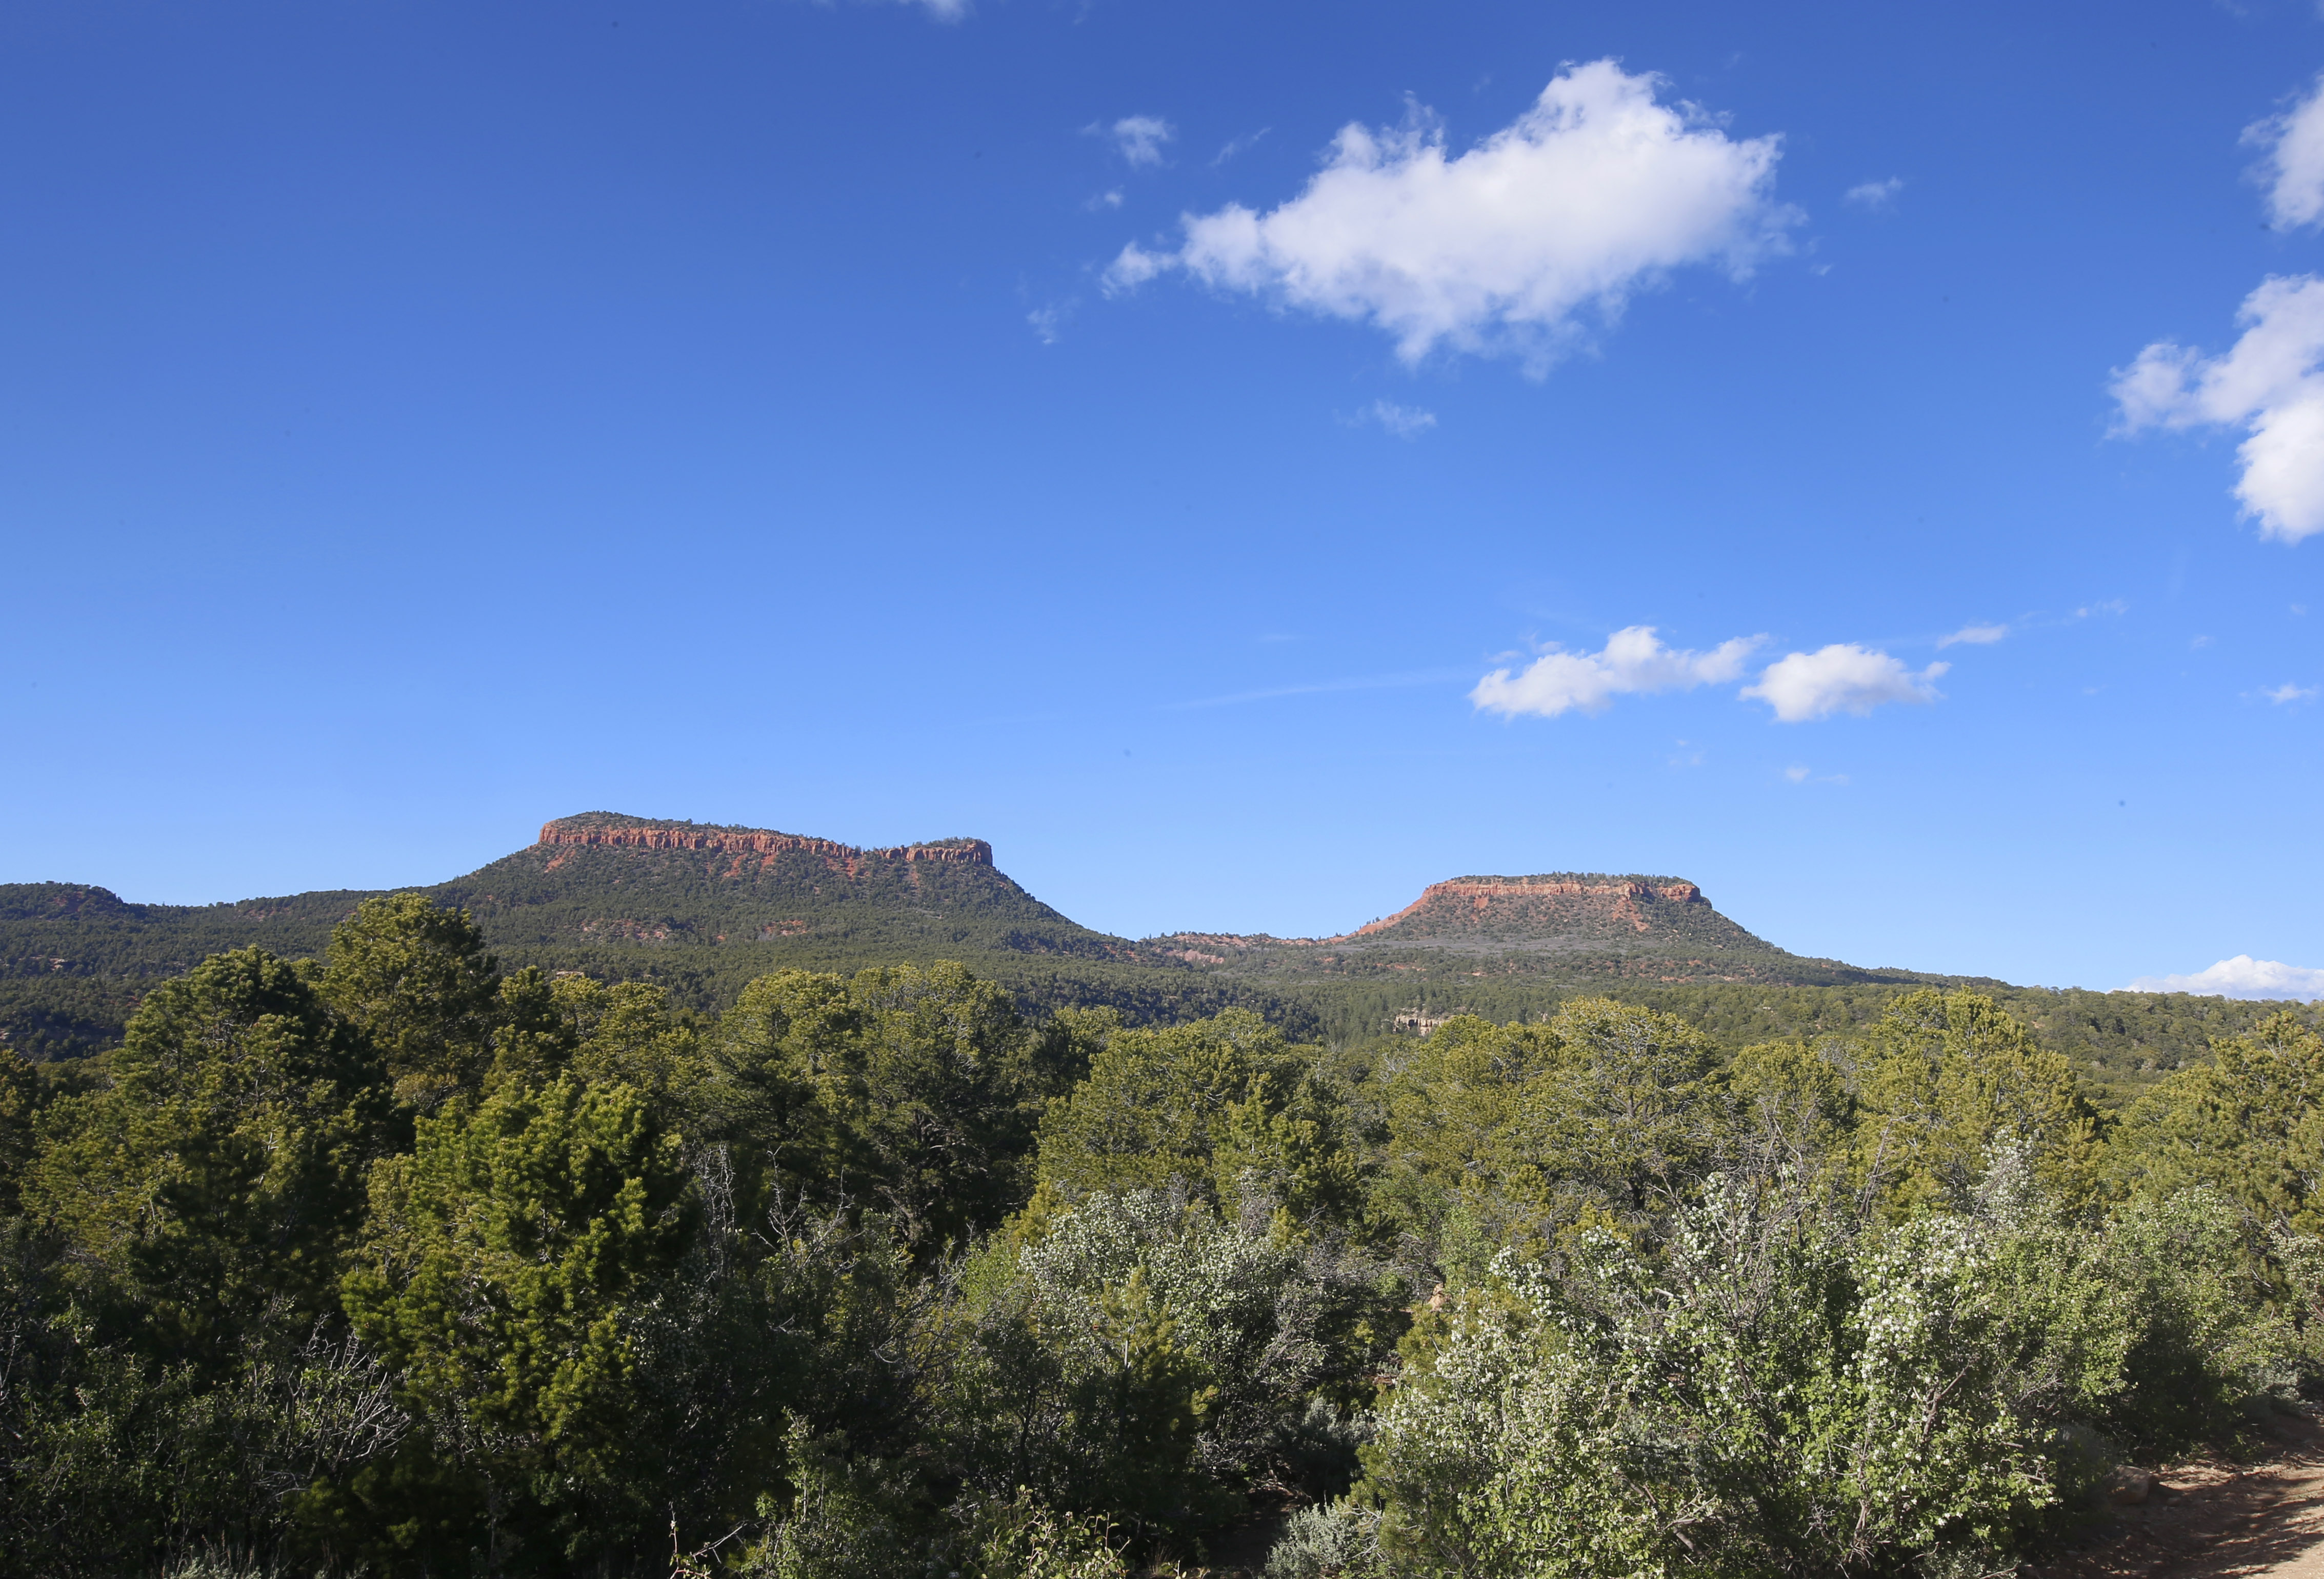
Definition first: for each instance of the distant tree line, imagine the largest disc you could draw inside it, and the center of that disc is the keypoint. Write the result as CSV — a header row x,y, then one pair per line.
x,y
2123,1042
397,1261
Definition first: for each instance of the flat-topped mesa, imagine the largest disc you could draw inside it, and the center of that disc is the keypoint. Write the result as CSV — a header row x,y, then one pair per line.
x,y
1482,891
1476,903
1556,905
611,829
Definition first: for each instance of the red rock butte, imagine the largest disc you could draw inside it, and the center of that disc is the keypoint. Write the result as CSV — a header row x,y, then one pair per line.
x,y
1556,904
599,830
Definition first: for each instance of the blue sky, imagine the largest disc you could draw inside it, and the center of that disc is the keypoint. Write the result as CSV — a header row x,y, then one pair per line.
x,y
1046,422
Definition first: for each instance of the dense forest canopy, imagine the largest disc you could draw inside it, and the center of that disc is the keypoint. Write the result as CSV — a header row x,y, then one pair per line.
x,y
403,1259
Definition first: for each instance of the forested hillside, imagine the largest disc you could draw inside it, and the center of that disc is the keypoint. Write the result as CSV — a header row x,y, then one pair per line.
x,y
397,1260
700,910
700,914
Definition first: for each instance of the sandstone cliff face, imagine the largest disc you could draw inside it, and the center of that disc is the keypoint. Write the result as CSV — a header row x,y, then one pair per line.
x,y
599,828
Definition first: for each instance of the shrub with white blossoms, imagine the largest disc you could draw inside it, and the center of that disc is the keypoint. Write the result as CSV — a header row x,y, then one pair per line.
x,y
1783,1386
1147,1358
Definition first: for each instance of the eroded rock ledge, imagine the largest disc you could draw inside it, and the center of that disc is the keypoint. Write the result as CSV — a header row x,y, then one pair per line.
x,y
602,829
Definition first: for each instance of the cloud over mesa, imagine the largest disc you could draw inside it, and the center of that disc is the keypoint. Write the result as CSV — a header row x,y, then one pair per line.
x,y
1800,686
1843,678
1633,661
2241,977
1593,194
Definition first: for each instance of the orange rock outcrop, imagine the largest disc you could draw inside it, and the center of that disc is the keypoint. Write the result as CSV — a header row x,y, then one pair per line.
x,y
757,842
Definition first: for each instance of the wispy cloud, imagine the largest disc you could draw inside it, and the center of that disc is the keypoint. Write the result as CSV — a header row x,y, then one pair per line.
x,y
1404,421
1377,682
1843,678
1874,196
1235,145
1048,322
1634,661
2241,977
1592,195
2288,693
942,10
1974,635
1805,775
1139,139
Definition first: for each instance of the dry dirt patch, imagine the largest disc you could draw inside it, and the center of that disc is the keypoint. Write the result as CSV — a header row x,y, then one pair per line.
x,y
2218,1519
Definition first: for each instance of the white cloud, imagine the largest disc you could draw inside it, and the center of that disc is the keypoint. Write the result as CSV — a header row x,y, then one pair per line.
x,y
1594,193
2293,169
2287,692
1139,138
1797,775
2240,977
1875,195
2269,383
1842,678
1132,269
1633,661
1404,421
1975,635
1106,200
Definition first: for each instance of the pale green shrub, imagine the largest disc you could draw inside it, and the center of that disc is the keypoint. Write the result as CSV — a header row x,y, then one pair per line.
x,y
1322,1541
1781,1386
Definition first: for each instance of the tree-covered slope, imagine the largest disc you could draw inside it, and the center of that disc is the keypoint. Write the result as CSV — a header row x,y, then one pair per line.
x,y
702,910
1563,929
601,877
395,1263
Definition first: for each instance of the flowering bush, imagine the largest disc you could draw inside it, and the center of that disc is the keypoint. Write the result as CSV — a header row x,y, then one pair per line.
x,y
1148,1359
1784,1385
